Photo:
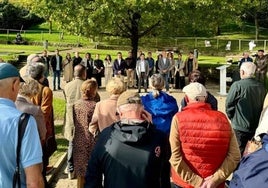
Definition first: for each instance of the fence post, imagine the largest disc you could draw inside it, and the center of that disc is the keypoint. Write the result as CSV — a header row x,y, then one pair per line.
x,y
195,42
264,45
239,44
8,35
217,43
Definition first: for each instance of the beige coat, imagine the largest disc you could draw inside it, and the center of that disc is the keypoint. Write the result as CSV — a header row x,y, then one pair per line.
x,y
72,94
104,114
68,70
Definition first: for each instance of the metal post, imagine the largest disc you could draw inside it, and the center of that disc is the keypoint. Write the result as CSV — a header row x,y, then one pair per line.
x,y
264,45
239,45
8,35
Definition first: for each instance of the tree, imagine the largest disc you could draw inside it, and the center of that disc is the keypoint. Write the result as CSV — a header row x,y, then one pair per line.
x,y
16,17
131,19
255,9
200,17
134,19
43,8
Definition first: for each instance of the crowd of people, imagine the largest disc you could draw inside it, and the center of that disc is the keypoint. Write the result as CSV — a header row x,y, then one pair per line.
x,y
134,73
129,139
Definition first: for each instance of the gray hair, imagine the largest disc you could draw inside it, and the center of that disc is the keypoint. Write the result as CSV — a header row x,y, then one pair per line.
x,y
29,88
37,70
157,83
249,69
33,58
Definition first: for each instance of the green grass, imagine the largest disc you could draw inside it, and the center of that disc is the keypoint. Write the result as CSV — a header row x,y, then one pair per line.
x,y
59,108
62,143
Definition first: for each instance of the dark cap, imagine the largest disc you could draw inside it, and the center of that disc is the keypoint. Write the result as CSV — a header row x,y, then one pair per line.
x,y
7,71
261,50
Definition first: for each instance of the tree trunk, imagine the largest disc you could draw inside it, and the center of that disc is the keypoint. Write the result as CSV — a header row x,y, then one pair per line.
x,y
134,45
218,30
257,27
50,26
134,38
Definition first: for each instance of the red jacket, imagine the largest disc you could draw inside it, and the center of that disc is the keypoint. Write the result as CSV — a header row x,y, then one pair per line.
x,y
205,137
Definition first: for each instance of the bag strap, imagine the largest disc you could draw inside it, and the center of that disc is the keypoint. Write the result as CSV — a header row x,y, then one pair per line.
x,y
23,121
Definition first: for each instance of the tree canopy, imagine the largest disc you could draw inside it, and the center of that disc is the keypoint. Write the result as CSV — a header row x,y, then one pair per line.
x,y
134,19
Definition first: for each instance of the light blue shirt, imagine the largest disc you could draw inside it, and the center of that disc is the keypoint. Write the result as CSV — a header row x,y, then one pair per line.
x,y
31,151
58,62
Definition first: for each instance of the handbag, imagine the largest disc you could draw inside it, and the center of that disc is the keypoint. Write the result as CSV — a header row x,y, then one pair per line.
x,y
21,129
252,145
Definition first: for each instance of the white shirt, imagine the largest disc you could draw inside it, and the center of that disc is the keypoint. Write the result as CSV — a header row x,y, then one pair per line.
x,y
164,60
58,62
142,66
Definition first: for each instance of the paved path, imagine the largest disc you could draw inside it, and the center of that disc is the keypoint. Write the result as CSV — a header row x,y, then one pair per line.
x,y
62,181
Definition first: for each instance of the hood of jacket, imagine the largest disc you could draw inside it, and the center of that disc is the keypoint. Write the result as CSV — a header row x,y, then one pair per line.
x,y
131,133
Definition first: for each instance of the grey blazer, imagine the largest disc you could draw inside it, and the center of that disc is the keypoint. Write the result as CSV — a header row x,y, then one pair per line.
x,y
138,67
164,67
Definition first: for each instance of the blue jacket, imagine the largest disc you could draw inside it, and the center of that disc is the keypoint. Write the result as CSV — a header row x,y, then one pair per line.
x,y
162,109
253,169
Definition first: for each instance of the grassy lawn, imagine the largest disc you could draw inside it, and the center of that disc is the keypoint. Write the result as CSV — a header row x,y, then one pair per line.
x,y
59,110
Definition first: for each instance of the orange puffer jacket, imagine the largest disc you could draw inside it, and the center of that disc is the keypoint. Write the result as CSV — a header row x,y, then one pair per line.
x,y
205,136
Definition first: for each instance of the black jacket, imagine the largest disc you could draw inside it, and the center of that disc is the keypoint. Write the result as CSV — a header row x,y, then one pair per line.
x,y
130,156
54,62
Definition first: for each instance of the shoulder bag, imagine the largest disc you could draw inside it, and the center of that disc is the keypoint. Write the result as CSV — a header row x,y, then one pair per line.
x,y
21,129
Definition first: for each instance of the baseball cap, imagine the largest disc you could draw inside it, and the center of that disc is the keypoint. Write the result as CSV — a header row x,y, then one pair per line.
x,y
128,97
7,71
194,90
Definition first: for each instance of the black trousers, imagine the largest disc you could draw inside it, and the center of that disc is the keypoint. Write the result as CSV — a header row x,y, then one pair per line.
x,y
242,139
142,78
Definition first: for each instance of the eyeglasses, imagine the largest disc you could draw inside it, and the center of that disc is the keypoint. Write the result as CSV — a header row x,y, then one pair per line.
x,y
134,100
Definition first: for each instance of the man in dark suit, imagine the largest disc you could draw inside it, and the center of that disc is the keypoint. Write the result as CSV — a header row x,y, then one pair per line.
x,y
98,69
89,64
56,64
119,66
164,65
46,60
76,59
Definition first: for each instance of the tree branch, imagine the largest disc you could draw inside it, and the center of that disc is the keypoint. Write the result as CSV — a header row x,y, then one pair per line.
x,y
148,30
125,33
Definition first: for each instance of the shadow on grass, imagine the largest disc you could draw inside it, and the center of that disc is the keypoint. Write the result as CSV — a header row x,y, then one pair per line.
x,y
62,144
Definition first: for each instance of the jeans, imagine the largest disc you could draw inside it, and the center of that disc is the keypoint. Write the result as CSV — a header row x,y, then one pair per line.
x,y
165,76
56,74
70,162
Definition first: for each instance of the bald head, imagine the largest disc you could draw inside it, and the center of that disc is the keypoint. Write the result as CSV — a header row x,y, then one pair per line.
x,y
80,71
9,88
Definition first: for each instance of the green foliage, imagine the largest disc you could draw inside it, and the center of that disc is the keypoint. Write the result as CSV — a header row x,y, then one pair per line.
x,y
16,17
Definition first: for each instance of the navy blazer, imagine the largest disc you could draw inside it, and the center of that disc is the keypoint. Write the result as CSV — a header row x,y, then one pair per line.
x,y
121,67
